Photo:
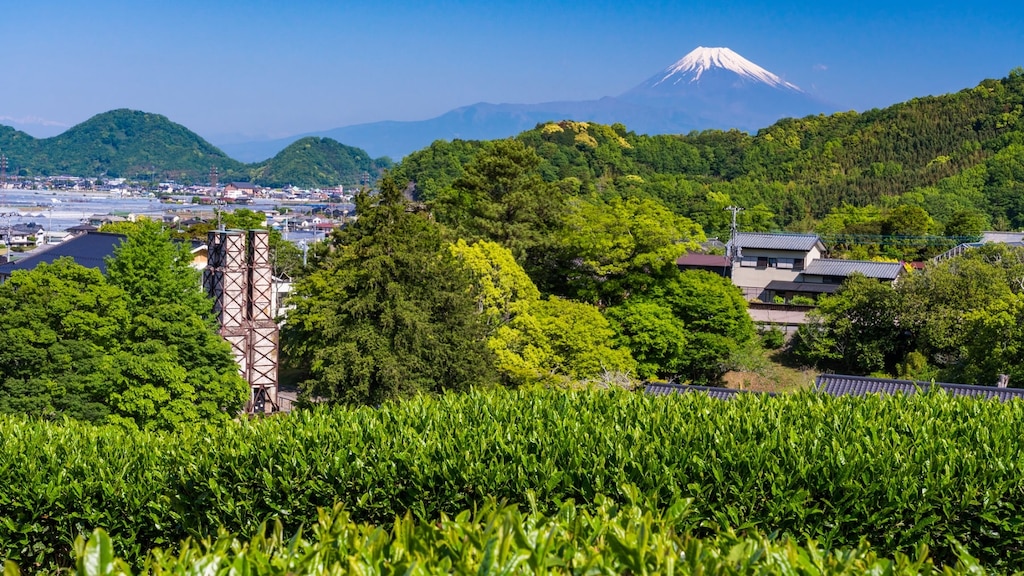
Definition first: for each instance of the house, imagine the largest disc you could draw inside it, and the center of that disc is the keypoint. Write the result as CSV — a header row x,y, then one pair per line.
x,y
824,275
101,219
23,235
81,229
761,258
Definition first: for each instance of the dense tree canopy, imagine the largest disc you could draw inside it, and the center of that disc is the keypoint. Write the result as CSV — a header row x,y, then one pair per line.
x,y
957,320
390,313
138,348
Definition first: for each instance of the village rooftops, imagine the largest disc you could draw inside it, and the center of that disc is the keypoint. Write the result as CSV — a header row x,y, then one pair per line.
x,y
778,241
845,268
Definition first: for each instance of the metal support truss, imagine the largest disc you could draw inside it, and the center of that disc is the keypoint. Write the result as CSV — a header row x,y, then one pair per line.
x,y
239,278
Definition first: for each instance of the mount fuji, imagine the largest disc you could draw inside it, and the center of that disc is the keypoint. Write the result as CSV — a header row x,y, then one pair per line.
x,y
722,89
707,88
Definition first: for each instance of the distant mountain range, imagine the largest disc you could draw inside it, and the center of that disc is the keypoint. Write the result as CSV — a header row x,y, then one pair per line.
x,y
707,88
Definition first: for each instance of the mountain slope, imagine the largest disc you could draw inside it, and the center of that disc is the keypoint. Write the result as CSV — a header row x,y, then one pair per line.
x,y
959,153
122,142
725,90
729,92
317,163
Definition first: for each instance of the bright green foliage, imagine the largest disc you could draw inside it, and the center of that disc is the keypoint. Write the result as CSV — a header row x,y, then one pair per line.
x,y
58,324
632,538
153,270
581,339
390,315
656,338
897,472
76,345
500,285
537,341
623,246
171,367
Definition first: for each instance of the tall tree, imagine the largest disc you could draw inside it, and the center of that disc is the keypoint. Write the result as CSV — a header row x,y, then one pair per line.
x,y
172,367
153,270
502,197
390,314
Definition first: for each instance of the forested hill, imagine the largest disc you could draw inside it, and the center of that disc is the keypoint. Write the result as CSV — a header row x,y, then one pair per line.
x,y
119,143
949,155
140,145
312,162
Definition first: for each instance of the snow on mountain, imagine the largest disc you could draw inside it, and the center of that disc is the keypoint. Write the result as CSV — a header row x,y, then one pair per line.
x,y
708,88
691,67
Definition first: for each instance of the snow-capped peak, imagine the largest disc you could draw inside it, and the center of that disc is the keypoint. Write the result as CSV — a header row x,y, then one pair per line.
x,y
696,63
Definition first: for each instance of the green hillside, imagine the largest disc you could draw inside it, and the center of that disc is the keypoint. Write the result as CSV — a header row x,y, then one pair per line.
x,y
318,162
959,153
139,145
119,143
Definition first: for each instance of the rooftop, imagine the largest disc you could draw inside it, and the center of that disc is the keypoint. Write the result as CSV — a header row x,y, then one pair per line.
x,y
839,385
844,268
89,250
778,241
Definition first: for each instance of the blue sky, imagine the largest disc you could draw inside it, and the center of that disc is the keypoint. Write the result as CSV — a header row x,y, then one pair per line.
x,y
235,70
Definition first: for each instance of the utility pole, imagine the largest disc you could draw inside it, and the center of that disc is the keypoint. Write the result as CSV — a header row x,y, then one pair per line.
x,y
3,187
734,252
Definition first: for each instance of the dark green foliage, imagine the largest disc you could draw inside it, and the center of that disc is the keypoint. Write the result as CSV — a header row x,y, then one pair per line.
x,y
773,338
123,143
318,163
502,198
958,319
856,329
390,314
897,472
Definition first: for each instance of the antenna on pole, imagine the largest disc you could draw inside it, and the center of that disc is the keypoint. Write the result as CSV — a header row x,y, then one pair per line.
x,y
734,251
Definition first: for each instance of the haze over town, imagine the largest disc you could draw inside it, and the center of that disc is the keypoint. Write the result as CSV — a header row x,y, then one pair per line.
x,y
235,71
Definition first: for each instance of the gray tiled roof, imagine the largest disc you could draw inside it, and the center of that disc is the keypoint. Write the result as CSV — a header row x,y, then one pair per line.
x,y
777,241
838,385
844,268
802,287
1007,237
89,250
665,389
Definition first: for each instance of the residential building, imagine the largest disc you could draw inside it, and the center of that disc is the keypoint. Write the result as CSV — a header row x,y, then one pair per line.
x,y
762,258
